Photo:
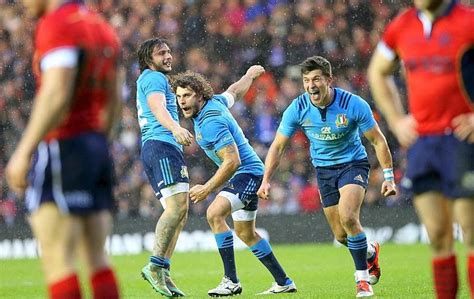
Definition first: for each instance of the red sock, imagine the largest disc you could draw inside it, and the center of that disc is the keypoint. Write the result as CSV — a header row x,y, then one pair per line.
x,y
104,285
470,273
67,288
445,277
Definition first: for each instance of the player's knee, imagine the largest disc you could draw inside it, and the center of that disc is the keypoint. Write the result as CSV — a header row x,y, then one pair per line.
x,y
349,221
247,236
214,216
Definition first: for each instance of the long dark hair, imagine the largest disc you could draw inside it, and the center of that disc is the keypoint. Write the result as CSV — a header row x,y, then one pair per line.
x,y
145,52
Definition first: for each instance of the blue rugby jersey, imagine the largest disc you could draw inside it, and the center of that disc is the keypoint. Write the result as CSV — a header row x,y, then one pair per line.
x,y
150,82
333,132
215,128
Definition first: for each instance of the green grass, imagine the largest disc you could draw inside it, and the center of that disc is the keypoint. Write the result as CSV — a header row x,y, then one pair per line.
x,y
319,271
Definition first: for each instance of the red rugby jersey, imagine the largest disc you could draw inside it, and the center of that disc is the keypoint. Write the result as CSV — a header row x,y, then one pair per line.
x,y
73,25
432,62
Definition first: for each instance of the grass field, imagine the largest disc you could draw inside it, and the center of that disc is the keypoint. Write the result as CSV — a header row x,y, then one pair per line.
x,y
319,271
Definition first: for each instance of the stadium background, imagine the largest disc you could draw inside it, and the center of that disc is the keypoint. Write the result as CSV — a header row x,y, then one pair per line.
x,y
219,39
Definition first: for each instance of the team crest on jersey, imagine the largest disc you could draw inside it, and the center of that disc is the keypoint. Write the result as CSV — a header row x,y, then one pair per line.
x,y
341,120
307,122
184,172
326,130
198,137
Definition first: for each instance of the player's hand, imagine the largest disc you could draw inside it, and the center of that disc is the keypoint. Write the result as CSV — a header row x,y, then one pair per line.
x,y
405,131
255,71
464,127
264,191
388,188
198,193
182,135
16,172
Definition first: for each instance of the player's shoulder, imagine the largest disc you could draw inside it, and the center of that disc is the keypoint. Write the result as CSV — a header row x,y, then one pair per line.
x,y
151,75
347,100
463,14
404,18
300,103
211,112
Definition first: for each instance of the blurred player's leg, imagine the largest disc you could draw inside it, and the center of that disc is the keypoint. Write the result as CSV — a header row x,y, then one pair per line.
x,y
464,215
351,199
57,236
436,213
96,228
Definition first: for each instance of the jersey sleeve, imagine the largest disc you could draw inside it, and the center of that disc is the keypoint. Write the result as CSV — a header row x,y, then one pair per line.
x,y
217,133
289,121
363,114
52,35
225,98
154,82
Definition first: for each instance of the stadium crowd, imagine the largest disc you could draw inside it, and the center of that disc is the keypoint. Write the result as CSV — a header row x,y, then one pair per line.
x,y
219,39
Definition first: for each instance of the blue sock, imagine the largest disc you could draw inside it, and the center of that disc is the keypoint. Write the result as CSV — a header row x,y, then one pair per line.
x,y
167,264
225,244
358,247
158,261
263,251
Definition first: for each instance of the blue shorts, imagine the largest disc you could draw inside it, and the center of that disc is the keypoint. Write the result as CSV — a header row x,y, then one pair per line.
x,y
440,163
74,173
241,191
333,178
164,165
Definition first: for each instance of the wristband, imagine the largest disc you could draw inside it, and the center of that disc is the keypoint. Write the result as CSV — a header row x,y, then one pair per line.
x,y
388,174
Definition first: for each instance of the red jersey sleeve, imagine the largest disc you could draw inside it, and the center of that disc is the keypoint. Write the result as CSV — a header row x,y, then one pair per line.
x,y
52,34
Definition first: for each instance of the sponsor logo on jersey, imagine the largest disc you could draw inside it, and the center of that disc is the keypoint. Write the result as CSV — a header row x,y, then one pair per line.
x,y
326,130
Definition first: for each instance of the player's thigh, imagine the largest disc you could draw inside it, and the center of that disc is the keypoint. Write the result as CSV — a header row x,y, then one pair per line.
x,y
220,207
436,213
352,196
464,215
58,236
178,202
97,227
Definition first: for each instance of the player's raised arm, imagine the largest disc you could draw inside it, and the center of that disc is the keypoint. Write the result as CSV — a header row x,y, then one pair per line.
x,y
230,163
387,97
277,148
51,105
240,88
157,103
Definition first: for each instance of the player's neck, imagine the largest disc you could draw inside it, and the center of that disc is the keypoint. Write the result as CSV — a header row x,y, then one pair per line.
x,y
432,14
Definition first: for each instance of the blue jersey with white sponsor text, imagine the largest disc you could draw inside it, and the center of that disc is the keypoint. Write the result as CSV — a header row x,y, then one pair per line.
x,y
150,82
215,128
333,132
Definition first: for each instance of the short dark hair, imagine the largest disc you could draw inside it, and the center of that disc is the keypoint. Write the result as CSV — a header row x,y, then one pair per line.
x,y
194,81
316,63
145,52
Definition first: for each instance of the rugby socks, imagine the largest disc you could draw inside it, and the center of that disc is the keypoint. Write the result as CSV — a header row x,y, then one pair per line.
x,y
470,273
67,288
159,261
225,244
445,277
167,264
358,248
104,284
263,251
